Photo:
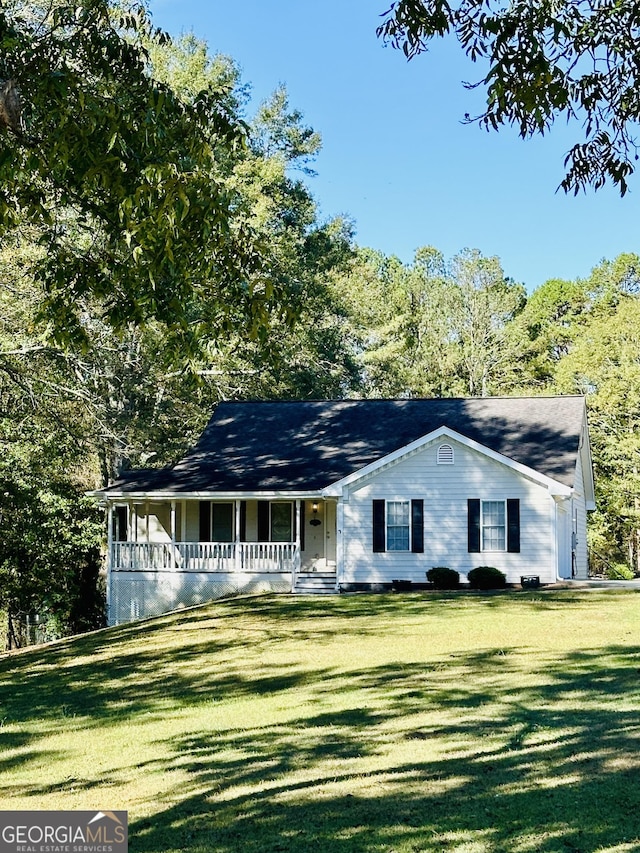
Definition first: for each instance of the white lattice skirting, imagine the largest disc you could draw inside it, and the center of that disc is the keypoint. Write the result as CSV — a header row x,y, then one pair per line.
x,y
138,595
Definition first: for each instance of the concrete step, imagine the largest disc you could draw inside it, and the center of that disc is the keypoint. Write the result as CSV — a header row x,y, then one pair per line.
x,y
315,583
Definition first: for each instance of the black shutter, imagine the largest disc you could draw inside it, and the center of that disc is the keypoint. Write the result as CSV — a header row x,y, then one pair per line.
x,y
263,522
303,507
205,521
513,526
242,533
379,527
417,526
473,525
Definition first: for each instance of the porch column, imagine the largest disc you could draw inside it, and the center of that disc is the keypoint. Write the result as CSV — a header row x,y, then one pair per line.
x,y
237,548
183,534
174,561
296,561
133,516
109,558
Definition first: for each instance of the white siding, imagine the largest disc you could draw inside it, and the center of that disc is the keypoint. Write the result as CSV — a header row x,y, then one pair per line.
x,y
153,522
579,523
445,490
193,521
252,521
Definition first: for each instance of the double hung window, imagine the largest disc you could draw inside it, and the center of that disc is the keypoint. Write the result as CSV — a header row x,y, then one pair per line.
x,y
398,525
493,525
281,522
217,522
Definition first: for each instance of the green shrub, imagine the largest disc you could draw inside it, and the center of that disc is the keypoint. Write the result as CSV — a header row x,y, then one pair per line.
x,y
487,577
619,572
443,578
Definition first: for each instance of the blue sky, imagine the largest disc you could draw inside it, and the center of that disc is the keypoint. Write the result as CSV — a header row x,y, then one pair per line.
x,y
396,157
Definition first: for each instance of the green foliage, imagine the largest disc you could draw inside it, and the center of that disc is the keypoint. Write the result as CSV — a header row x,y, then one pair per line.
x,y
542,61
545,329
50,557
619,572
433,328
442,577
278,131
604,364
487,577
123,178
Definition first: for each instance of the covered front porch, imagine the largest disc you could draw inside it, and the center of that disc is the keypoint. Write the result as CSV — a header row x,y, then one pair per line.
x,y
167,553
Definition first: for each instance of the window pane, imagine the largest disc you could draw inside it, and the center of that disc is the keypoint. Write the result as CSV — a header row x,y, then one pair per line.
x,y
120,523
222,522
398,526
281,523
493,526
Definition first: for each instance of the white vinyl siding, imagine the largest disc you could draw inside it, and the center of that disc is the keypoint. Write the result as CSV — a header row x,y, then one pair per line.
x,y
579,525
445,490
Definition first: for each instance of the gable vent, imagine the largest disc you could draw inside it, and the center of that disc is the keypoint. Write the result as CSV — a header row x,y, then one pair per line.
x,y
445,454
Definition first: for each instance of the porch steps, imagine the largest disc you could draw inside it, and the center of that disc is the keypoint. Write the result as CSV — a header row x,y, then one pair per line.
x,y
315,583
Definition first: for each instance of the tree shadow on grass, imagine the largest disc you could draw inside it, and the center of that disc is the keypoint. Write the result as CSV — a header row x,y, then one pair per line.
x,y
431,755
134,668
551,768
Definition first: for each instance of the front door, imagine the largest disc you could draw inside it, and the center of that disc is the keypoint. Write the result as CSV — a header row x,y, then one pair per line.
x,y
314,518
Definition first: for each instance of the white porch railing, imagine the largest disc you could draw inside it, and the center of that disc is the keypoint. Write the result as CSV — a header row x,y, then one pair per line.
x,y
206,556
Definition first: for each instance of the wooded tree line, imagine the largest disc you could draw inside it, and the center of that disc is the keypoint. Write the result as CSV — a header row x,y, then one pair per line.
x,y
161,251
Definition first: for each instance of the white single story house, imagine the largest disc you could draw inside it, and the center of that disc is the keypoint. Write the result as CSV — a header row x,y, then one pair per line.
x,y
351,495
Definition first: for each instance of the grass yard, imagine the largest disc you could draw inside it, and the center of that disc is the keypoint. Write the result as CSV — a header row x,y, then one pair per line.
x,y
454,722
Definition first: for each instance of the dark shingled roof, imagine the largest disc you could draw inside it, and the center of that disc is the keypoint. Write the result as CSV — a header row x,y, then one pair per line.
x,y
305,446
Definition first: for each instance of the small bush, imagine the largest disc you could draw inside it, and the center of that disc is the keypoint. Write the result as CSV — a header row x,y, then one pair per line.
x,y
443,578
487,577
619,572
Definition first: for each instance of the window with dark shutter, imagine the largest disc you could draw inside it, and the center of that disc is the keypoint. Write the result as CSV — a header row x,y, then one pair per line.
x,y
263,521
243,521
379,526
205,521
513,526
417,526
473,525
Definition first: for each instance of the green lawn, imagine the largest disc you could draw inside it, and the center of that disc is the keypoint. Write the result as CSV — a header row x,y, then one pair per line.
x,y
455,722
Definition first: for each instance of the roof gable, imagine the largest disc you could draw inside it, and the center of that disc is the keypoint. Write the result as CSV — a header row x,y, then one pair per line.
x,y
304,447
554,486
